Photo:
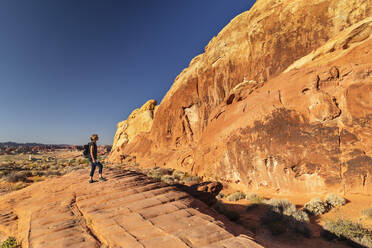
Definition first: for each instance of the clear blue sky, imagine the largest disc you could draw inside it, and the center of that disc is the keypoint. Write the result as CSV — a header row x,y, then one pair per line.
x,y
69,68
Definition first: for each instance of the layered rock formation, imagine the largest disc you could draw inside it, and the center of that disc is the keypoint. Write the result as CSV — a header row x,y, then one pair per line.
x,y
280,100
129,210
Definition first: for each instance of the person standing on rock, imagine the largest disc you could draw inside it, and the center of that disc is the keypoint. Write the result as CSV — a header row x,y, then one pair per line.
x,y
93,158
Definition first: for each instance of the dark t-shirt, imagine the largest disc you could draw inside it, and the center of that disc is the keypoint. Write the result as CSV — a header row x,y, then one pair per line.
x,y
94,150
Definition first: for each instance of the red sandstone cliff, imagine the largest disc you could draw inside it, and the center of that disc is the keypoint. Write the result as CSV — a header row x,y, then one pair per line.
x,y
281,99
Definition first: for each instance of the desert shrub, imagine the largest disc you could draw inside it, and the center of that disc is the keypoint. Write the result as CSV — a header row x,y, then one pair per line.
x,y
281,206
347,230
38,179
231,215
187,179
10,242
85,161
367,212
254,198
334,200
67,170
45,166
19,186
37,173
18,176
179,174
154,174
236,196
32,166
165,171
169,179
54,167
52,173
281,213
316,206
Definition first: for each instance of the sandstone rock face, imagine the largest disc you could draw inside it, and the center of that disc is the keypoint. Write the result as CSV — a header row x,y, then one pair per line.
x,y
139,121
129,210
280,100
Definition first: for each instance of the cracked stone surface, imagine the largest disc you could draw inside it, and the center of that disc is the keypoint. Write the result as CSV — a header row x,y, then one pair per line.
x,y
271,106
128,210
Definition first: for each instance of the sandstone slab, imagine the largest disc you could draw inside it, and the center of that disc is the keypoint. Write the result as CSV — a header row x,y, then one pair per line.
x,y
128,210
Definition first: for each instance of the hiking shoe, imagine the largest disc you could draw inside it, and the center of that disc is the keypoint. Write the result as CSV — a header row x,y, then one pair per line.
x,y
102,179
91,181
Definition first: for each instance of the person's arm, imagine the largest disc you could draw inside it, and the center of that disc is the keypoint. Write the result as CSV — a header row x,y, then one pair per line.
x,y
91,153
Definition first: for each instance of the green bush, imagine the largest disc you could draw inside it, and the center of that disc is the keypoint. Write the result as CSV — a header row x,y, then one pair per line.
x,y
347,230
334,200
10,242
236,196
316,206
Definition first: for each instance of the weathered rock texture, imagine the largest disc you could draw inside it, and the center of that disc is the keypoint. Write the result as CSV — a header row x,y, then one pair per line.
x,y
129,210
139,121
280,100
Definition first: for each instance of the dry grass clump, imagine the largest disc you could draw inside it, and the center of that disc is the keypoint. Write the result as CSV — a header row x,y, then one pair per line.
x,y
342,229
236,196
316,206
334,200
282,215
187,179
21,169
171,176
51,173
254,198
20,185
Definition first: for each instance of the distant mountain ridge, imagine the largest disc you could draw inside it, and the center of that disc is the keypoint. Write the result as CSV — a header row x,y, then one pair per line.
x,y
15,144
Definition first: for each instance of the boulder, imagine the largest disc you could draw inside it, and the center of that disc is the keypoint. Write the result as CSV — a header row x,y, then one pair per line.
x,y
139,121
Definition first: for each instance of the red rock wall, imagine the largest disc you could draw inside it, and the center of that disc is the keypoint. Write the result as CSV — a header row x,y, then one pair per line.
x,y
289,131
